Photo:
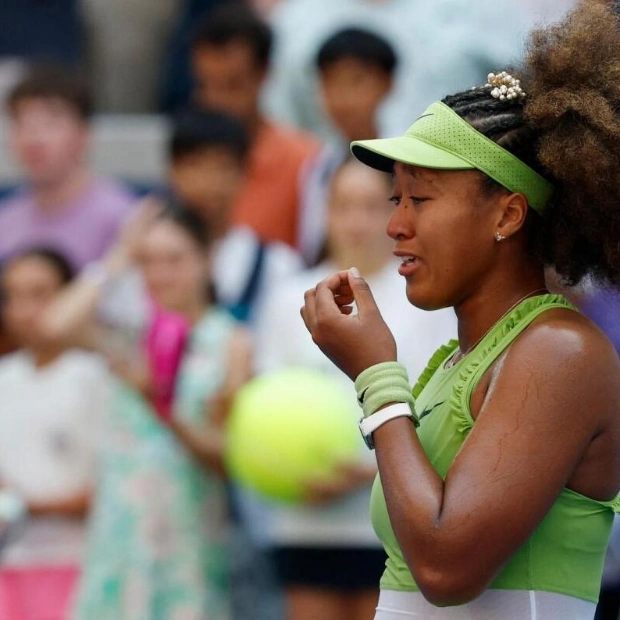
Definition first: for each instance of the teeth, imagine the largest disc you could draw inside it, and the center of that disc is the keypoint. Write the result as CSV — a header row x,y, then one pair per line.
x,y
409,260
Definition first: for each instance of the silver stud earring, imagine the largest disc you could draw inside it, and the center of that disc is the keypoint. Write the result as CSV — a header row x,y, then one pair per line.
x,y
499,237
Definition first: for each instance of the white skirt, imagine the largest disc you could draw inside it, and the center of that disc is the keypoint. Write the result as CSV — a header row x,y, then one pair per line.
x,y
492,605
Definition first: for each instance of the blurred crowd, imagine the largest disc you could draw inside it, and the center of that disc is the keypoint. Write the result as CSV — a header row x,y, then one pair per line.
x,y
132,316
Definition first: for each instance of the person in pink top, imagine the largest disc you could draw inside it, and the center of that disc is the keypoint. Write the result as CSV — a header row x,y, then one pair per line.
x,y
61,204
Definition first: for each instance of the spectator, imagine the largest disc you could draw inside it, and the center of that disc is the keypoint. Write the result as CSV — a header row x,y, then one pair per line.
x,y
356,71
61,205
208,167
327,555
230,58
157,544
176,78
442,43
53,403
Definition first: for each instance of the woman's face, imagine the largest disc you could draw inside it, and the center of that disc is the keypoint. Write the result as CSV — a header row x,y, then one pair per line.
x,y
29,285
174,267
443,230
358,213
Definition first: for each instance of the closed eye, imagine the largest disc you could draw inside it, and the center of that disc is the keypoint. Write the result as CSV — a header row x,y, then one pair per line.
x,y
416,200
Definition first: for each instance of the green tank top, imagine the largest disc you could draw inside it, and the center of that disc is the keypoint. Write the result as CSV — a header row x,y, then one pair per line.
x,y
565,553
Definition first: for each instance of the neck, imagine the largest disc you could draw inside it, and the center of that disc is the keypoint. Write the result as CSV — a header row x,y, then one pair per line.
x,y
253,125
194,310
366,131
44,356
50,196
219,229
479,312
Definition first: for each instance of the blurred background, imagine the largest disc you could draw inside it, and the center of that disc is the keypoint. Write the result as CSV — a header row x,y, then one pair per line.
x,y
173,176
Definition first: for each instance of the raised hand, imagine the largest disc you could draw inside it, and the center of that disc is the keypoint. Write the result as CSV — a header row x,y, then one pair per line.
x,y
352,340
126,248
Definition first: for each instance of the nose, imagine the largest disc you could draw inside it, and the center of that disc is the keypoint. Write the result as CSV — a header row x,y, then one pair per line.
x,y
400,226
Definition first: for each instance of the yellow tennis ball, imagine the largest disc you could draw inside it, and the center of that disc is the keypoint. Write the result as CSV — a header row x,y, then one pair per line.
x,y
290,426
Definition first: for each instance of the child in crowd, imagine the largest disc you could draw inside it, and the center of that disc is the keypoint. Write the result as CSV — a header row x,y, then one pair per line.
x,y
158,544
356,75
439,44
61,204
230,59
326,554
208,166
53,403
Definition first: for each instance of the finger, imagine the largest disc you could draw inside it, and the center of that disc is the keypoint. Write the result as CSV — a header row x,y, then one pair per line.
x,y
338,283
346,310
344,300
361,292
308,310
344,289
325,301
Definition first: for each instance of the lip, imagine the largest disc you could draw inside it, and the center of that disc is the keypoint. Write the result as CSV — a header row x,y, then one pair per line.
x,y
409,268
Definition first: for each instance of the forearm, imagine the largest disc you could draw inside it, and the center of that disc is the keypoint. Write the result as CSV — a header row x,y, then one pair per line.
x,y
76,506
76,307
430,519
206,445
413,490
73,309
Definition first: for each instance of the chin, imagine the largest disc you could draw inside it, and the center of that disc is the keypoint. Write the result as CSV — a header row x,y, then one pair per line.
x,y
166,303
425,300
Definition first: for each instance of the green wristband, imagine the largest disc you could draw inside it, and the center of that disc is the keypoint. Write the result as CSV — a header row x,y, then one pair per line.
x,y
383,384
378,371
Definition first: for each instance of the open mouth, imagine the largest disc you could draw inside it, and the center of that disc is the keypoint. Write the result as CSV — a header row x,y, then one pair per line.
x,y
409,263
408,260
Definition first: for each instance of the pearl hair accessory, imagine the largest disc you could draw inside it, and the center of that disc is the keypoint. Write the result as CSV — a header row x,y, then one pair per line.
x,y
505,86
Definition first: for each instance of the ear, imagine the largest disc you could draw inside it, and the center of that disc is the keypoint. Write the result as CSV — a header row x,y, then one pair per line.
x,y
387,80
512,214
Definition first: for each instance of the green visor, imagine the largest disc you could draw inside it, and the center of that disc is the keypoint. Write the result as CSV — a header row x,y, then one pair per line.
x,y
441,139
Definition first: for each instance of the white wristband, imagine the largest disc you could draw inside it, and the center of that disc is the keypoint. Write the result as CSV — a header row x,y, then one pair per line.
x,y
370,424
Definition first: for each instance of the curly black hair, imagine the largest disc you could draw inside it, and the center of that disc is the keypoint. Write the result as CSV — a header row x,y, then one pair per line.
x,y
568,129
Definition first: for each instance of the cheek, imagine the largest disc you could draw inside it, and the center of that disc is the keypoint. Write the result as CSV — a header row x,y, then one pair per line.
x,y
452,259
20,314
60,146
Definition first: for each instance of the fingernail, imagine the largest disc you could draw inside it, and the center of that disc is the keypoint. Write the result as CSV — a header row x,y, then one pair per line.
x,y
355,272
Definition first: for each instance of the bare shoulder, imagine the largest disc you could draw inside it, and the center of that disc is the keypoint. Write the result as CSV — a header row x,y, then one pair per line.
x,y
557,388
563,336
568,358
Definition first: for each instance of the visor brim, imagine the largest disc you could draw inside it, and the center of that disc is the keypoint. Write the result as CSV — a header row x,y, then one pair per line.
x,y
381,154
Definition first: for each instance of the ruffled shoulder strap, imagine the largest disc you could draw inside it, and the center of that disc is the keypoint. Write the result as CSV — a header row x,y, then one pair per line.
x,y
500,337
438,358
614,504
